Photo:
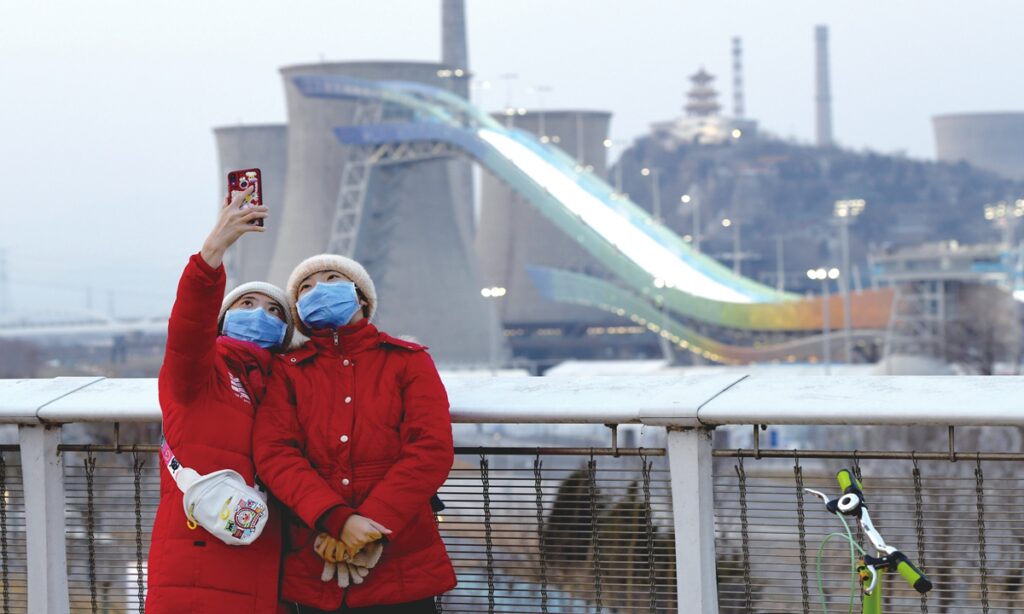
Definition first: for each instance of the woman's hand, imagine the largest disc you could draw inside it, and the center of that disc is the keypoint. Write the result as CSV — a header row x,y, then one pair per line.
x,y
329,548
232,223
359,531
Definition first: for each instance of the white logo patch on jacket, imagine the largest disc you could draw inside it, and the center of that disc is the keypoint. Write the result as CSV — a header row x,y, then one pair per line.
x,y
238,388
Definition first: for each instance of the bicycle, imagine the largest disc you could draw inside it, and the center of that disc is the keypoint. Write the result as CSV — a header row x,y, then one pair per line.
x,y
868,569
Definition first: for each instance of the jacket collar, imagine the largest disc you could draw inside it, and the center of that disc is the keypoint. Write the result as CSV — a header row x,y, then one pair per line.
x,y
244,356
247,361
344,340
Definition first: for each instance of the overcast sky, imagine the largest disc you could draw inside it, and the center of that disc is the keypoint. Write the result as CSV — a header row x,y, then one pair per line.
x,y
108,169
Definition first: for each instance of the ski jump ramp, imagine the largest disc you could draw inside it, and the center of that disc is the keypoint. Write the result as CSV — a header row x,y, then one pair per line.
x,y
660,281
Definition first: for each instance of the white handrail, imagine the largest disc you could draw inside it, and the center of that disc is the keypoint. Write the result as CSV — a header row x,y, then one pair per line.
x,y
694,400
703,401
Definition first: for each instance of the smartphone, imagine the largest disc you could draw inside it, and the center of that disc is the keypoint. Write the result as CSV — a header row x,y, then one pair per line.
x,y
238,181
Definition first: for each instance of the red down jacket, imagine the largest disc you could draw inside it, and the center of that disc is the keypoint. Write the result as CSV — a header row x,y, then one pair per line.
x,y
208,388
359,419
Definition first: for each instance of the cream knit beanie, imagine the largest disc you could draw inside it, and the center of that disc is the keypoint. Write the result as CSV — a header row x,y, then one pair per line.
x,y
332,262
266,289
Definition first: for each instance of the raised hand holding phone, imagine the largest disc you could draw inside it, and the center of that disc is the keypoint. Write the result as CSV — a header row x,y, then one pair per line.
x,y
232,222
250,179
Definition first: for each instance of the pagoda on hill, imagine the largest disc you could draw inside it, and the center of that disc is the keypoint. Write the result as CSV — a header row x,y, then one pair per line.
x,y
702,99
703,122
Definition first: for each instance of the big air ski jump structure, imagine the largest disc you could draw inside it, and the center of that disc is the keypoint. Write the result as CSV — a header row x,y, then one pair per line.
x,y
376,170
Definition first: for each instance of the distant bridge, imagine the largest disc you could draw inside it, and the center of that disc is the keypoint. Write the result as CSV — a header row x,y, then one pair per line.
x,y
79,325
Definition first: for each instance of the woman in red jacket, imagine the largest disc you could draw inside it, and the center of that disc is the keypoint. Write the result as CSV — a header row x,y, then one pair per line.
x,y
214,374
354,436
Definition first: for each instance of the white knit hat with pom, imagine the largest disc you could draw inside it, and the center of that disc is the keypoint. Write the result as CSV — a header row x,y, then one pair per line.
x,y
270,290
332,262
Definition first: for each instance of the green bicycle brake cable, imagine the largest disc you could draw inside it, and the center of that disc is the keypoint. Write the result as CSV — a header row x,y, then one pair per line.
x,y
848,536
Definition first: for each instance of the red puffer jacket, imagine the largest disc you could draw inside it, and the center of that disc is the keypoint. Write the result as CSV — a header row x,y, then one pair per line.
x,y
208,388
358,419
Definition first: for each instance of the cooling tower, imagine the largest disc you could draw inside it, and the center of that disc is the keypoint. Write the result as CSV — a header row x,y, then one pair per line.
x,y
264,147
989,141
513,235
415,237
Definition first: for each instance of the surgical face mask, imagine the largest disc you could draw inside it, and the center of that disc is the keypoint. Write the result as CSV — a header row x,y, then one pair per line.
x,y
255,325
328,305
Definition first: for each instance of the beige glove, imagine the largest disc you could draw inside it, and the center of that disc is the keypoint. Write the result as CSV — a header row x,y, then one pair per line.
x,y
341,570
346,571
329,549
368,557
356,570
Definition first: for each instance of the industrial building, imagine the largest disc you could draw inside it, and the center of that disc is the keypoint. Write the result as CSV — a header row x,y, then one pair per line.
x,y
415,223
989,141
264,147
411,224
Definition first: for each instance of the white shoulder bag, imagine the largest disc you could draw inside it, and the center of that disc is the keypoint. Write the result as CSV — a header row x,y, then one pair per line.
x,y
220,502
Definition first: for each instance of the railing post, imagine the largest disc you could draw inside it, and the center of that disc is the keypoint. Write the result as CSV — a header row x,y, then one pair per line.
x,y
693,508
43,474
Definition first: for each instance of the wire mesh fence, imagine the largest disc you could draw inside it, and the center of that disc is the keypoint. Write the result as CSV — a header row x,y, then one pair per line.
x,y
959,521
565,534
526,532
110,503
13,571
581,530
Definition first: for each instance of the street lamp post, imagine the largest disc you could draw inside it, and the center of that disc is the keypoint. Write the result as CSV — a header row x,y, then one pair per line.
x,y
844,212
608,144
655,191
824,275
693,200
737,254
666,347
1005,217
508,78
540,90
480,85
780,267
494,292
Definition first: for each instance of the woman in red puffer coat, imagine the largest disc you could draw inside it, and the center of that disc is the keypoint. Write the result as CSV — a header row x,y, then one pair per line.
x,y
354,436
214,375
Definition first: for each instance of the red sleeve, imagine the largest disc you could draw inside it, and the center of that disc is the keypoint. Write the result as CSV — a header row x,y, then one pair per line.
x,y
192,330
333,520
427,449
277,448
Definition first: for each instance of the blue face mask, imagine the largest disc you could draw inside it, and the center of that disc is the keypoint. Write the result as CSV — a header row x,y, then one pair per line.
x,y
328,305
255,325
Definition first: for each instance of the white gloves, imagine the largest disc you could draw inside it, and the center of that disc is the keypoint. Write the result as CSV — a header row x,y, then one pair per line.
x,y
351,571
346,573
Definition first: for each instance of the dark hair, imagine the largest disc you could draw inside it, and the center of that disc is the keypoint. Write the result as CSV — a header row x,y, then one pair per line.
x,y
362,298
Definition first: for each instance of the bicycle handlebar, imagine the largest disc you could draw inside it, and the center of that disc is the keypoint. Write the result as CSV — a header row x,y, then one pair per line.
x,y
910,572
892,559
846,479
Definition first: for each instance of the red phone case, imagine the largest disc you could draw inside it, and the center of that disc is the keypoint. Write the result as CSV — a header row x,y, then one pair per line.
x,y
239,180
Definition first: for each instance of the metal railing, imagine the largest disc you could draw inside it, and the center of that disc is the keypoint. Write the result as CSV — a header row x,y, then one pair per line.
x,y
566,527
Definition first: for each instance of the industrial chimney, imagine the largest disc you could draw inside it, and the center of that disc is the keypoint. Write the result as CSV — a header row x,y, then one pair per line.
x,y
454,48
823,91
737,77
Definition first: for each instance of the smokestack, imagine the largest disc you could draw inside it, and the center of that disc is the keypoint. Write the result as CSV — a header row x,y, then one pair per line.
x,y
454,48
823,91
737,77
